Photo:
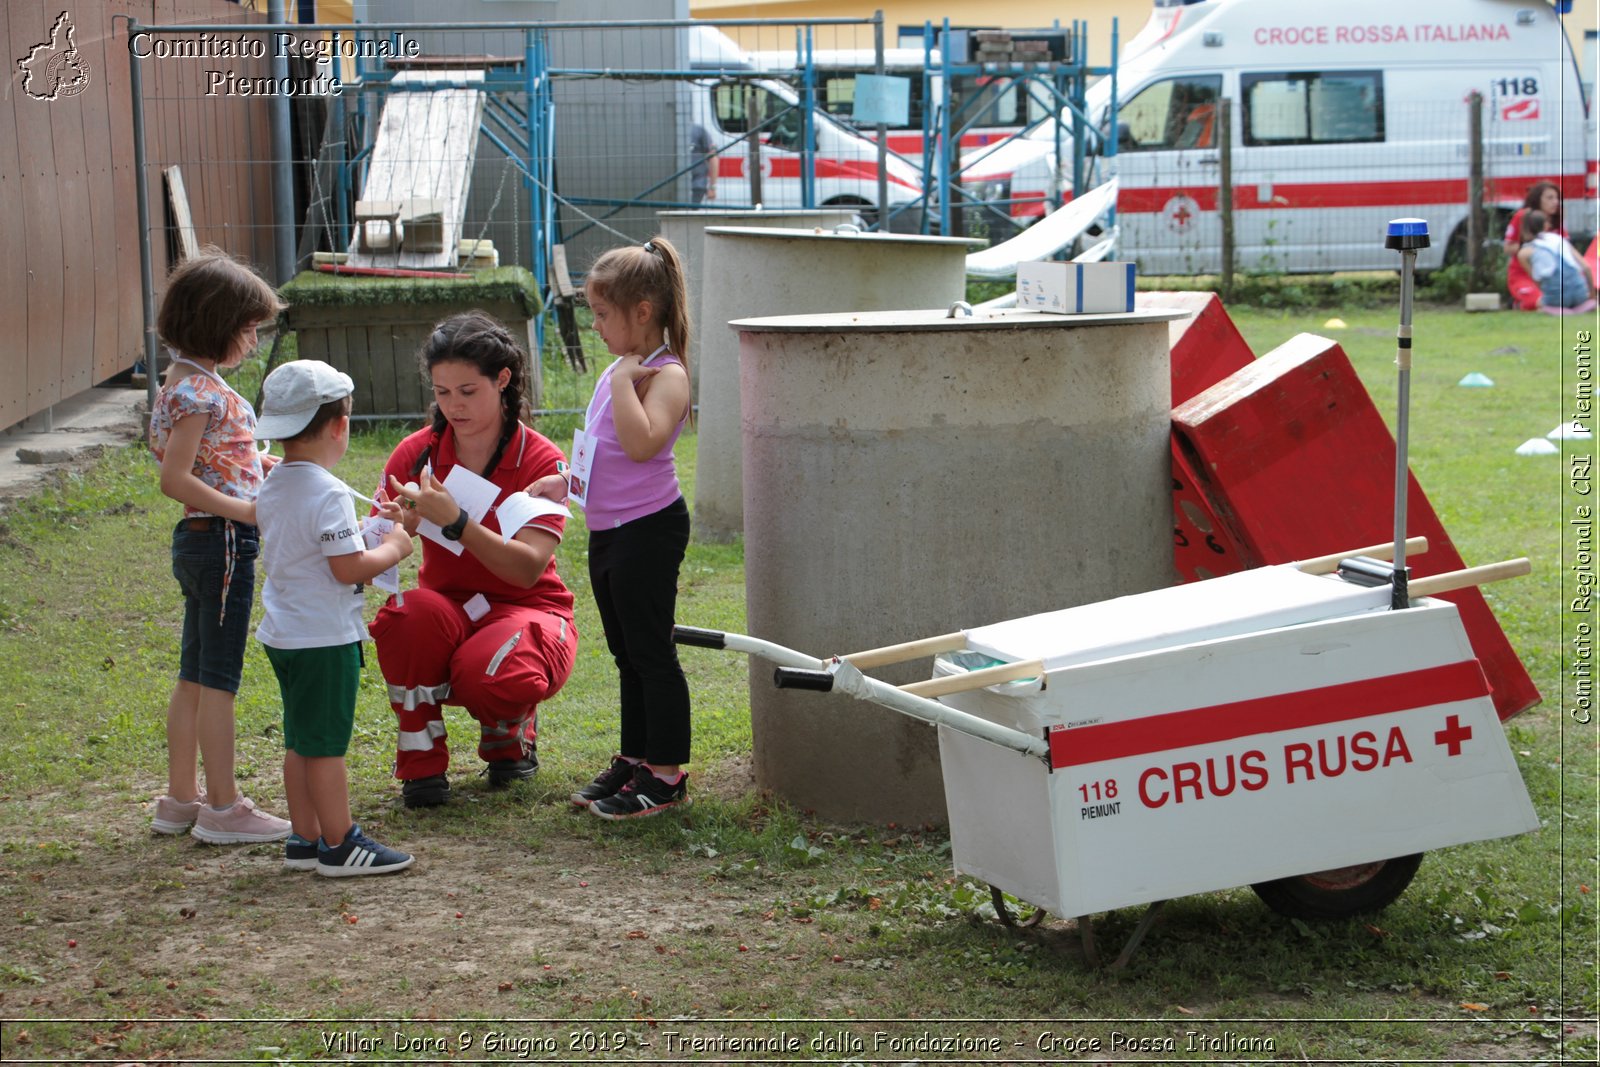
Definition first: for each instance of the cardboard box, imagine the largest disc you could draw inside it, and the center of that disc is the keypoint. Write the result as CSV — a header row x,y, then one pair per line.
x,y
1075,288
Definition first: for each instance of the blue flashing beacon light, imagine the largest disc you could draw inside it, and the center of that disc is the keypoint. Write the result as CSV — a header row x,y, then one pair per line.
x,y
1407,235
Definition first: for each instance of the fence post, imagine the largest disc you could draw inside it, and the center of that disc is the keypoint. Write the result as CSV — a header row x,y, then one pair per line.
x,y
1225,192
752,126
283,220
882,129
1475,217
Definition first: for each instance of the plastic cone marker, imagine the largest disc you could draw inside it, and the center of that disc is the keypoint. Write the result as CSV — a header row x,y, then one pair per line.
x,y
1536,446
1476,381
1334,324
1569,431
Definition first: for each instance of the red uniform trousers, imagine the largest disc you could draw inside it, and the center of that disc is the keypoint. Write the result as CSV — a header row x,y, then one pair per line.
x,y
499,668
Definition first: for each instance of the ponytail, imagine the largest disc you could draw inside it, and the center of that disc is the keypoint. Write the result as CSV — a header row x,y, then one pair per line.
x,y
653,271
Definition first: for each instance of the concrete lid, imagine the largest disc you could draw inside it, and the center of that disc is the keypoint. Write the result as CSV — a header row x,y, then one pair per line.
x,y
819,233
930,319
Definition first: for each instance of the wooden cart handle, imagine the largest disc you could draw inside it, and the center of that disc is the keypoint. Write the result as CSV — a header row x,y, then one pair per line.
x,y
1489,572
927,646
960,683
1415,546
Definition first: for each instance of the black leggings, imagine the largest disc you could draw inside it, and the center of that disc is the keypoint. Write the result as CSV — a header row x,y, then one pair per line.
x,y
634,572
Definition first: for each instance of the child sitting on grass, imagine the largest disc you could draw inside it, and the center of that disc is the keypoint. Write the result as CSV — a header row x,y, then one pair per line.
x,y
316,563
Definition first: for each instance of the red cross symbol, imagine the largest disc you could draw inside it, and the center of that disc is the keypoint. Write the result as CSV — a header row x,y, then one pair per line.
x,y
1453,735
1181,216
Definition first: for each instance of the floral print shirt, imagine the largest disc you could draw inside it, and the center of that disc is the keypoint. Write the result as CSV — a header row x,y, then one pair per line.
x,y
227,459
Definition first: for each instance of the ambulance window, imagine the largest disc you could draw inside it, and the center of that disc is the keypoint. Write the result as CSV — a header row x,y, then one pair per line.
x,y
729,97
1175,113
839,95
1303,108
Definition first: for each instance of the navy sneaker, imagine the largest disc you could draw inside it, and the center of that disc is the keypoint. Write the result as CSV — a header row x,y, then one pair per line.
x,y
299,854
606,783
427,792
359,854
503,772
645,794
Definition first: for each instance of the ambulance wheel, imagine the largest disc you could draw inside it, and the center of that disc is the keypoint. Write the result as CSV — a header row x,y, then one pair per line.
x,y
1020,920
1341,892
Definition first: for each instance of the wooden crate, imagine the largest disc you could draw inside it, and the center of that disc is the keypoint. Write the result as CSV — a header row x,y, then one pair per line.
x,y
377,342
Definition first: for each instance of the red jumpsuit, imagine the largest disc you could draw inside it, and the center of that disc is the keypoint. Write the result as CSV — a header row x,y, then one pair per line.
x,y
499,667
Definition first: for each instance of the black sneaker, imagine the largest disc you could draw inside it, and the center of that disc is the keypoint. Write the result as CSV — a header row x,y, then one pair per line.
x,y
644,795
606,783
503,772
359,854
425,792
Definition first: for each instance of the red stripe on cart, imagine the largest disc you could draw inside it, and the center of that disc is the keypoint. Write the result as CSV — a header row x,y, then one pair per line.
x,y
1362,699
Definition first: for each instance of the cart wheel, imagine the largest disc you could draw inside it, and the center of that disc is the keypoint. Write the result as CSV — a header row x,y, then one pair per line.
x,y
1032,919
1341,892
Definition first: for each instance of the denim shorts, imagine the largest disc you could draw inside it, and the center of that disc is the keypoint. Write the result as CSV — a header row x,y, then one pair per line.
x,y
214,634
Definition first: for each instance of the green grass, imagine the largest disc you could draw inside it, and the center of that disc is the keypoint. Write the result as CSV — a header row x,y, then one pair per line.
x,y
771,914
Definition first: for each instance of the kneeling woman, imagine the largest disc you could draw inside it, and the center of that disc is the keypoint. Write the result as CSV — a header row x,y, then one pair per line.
x,y
490,627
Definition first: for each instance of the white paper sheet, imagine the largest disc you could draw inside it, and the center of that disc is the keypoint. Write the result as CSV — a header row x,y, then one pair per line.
x,y
519,509
372,532
471,491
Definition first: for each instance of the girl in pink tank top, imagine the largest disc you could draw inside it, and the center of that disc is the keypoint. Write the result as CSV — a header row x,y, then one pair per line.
x,y
624,476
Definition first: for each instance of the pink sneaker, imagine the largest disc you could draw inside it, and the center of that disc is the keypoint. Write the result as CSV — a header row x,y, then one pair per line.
x,y
176,816
238,825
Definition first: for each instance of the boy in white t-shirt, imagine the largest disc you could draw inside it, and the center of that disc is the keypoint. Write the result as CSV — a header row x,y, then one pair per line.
x,y
316,562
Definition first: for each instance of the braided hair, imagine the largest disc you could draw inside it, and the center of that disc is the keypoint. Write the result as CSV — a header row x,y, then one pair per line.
x,y
474,337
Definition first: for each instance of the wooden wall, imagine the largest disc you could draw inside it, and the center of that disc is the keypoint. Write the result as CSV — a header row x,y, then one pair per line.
x,y
71,313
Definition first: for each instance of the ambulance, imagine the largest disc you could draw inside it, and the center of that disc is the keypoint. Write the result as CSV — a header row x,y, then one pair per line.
x,y
844,170
1344,116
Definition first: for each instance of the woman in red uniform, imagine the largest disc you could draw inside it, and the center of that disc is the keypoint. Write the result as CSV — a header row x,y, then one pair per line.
x,y
490,627
1545,197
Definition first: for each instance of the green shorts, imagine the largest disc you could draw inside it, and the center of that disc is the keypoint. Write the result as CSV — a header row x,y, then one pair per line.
x,y
319,696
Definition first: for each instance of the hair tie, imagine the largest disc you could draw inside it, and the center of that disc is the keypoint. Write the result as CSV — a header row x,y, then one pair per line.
x,y
650,246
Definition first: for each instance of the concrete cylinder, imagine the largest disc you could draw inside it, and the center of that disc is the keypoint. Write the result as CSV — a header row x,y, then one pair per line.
x,y
751,272
907,475
686,230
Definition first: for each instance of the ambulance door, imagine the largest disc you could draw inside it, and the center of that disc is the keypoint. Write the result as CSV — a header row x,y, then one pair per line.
x,y
1167,162
1315,170
740,106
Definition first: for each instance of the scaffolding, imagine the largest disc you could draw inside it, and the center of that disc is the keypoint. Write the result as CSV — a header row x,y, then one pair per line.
x,y
1048,66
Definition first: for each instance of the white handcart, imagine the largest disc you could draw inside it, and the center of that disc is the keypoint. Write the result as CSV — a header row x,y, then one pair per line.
x,y
1244,730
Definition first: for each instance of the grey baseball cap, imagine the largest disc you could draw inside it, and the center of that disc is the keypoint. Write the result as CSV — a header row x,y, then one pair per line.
x,y
292,394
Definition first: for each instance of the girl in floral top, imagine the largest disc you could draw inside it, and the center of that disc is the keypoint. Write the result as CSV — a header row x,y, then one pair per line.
x,y
203,432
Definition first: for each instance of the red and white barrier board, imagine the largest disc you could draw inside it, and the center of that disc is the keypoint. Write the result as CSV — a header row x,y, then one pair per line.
x,y
1255,726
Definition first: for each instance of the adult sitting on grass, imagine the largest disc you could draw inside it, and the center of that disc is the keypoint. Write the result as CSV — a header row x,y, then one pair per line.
x,y
1565,284
490,627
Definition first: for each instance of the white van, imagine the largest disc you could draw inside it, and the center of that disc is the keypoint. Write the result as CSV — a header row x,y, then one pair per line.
x,y
844,170
1344,116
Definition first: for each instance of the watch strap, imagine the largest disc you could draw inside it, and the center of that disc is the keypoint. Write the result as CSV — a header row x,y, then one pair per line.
x,y
454,531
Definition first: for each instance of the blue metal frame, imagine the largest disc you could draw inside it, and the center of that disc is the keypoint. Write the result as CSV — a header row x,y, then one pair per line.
x,y
944,124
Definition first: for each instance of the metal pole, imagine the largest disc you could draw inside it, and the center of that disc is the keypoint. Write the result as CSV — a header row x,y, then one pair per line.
x,y
147,273
882,129
282,159
1405,236
1475,215
1225,191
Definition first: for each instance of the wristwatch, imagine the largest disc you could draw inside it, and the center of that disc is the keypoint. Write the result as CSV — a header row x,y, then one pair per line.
x,y
454,531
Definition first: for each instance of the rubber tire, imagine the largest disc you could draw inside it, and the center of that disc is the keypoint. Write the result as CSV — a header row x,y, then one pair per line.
x,y
1340,893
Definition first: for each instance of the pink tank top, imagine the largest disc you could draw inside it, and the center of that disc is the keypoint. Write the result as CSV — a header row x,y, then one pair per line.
x,y
621,489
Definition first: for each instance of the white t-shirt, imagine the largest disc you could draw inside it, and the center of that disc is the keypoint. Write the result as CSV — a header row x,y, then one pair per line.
x,y
305,515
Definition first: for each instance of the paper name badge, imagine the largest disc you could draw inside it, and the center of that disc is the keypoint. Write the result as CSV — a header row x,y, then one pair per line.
x,y
1075,288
